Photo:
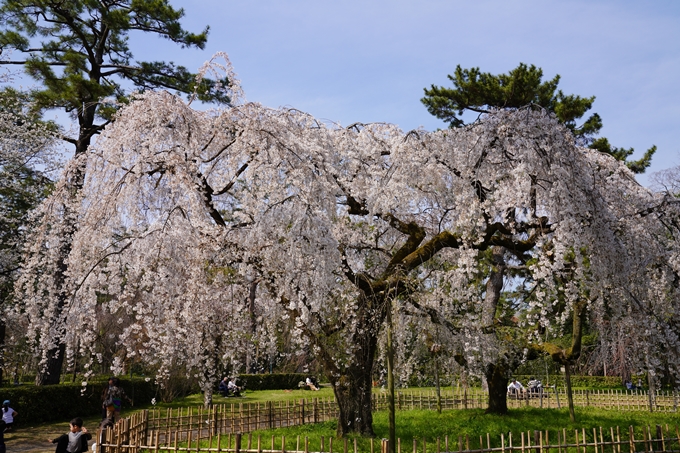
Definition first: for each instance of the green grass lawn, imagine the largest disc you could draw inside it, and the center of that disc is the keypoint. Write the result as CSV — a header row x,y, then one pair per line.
x,y
261,396
251,396
470,426
428,424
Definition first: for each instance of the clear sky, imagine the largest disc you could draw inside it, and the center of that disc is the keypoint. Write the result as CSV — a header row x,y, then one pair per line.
x,y
369,60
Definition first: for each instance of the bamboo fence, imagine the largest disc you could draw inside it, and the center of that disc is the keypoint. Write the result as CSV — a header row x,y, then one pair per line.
x,y
199,429
615,440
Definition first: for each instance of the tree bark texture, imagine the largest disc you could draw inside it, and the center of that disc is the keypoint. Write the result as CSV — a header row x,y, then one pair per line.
x,y
2,348
50,374
353,393
496,373
497,379
570,396
567,358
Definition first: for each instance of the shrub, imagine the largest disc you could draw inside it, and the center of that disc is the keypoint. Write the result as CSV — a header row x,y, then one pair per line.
x,y
587,382
278,381
37,404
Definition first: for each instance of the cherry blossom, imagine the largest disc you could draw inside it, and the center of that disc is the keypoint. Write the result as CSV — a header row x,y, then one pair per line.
x,y
185,215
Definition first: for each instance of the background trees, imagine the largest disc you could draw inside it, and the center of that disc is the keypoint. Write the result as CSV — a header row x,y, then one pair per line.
x,y
79,53
27,162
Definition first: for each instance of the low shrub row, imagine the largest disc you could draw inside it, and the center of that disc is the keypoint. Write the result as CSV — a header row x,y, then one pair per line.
x,y
276,381
585,382
37,404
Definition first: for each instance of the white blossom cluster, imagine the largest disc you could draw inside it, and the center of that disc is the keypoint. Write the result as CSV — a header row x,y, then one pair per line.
x,y
28,159
182,211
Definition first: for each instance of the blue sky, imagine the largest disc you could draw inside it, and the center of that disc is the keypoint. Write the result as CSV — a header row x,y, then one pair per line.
x,y
367,61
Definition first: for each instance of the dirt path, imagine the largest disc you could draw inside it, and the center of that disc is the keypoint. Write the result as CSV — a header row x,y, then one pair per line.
x,y
33,439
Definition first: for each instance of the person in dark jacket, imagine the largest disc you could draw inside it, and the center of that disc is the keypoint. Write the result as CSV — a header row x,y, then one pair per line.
x,y
113,399
75,441
222,388
3,448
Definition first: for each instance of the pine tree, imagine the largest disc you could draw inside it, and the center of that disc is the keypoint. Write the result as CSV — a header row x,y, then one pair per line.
x,y
79,53
480,92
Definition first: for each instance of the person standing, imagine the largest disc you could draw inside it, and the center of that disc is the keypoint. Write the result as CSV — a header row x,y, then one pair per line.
x,y
75,441
8,415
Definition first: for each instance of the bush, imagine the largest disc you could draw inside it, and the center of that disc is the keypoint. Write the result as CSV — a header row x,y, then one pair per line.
x,y
47,403
177,385
278,381
585,382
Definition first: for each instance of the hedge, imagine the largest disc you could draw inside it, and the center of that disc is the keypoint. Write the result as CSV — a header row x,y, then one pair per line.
x,y
276,381
47,403
589,382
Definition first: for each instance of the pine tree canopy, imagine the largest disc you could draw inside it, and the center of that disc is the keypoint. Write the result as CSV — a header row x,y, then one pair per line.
x,y
78,50
477,91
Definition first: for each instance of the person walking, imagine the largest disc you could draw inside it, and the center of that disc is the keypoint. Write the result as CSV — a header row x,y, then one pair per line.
x,y
113,399
75,441
8,415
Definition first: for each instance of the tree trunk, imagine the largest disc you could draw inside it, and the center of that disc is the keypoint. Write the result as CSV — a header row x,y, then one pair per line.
x,y
351,375
354,404
568,357
353,390
2,347
251,362
570,396
392,430
207,398
497,379
651,391
436,383
51,373
496,373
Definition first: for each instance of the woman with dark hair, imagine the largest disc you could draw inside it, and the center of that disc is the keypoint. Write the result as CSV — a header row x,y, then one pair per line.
x,y
113,399
8,415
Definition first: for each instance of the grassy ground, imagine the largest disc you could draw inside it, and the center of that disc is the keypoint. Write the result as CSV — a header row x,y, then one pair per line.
x,y
417,425
256,396
425,424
